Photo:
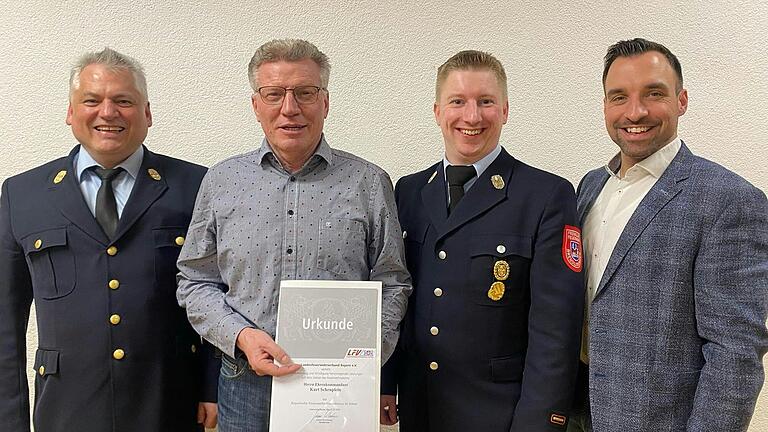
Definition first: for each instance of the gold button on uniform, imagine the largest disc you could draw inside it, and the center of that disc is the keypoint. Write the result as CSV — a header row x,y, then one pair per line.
x,y
114,284
501,249
179,240
433,365
438,292
41,371
115,319
442,255
434,331
112,251
194,348
38,243
118,354
405,234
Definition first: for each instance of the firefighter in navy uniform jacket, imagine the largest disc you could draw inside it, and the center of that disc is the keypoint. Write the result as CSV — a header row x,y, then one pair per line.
x,y
491,337
115,351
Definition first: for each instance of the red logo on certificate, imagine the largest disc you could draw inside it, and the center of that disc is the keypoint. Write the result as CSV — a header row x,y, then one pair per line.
x,y
572,254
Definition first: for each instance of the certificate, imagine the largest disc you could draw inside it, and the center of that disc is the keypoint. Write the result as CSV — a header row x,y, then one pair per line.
x,y
333,329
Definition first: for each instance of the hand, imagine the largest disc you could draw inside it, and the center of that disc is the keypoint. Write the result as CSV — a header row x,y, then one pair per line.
x,y
207,414
261,352
388,415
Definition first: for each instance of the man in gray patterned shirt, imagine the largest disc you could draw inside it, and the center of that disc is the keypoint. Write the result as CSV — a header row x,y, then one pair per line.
x,y
293,209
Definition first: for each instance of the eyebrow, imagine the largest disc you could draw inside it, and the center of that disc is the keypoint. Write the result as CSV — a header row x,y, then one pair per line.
x,y
651,86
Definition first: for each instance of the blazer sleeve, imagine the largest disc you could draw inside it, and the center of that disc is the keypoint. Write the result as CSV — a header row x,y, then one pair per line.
x,y
554,321
731,294
15,302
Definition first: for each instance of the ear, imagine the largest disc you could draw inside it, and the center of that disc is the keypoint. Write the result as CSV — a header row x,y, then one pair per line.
x,y
326,102
69,114
148,113
436,110
682,102
254,102
506,111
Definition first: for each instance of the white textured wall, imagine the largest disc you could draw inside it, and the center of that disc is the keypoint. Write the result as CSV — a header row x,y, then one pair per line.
x,y
384,56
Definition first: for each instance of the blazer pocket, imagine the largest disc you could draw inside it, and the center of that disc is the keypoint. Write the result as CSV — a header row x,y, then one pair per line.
x,y
46,362
507,369
413,240
51,263
168,242
499,269
342,247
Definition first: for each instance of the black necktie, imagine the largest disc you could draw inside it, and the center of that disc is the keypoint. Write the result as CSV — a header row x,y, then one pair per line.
x,y
457,175
106,206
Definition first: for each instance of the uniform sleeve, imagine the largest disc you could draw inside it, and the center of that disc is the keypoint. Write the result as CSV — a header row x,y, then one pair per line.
x,y
15,302
200,285
554,321
386,257
731,294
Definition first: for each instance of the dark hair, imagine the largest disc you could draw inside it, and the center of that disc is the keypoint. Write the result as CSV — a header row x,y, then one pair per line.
x,y
637,46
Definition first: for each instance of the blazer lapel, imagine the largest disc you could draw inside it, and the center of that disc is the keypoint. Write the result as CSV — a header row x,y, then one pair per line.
x,y
150,185
68,198
666,188
433,196
482,195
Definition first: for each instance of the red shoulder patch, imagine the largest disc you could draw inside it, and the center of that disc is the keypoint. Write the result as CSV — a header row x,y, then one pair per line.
x,y
572,253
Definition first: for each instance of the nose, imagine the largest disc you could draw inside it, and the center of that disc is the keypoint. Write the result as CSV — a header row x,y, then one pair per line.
x,y
636,110
471,113
290,107
107,109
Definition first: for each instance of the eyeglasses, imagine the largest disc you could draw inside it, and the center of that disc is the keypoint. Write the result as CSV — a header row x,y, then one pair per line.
x,y
274,95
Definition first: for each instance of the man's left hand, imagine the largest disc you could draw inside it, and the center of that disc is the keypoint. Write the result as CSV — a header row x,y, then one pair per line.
x,y
207,414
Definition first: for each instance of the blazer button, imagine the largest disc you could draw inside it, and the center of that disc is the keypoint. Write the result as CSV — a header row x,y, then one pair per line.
x,y
438,292
41,371
179,241
442,255
114,284
114,319
118,354
433,365
501,249
193,348
434,330
405,234
112,251
38,244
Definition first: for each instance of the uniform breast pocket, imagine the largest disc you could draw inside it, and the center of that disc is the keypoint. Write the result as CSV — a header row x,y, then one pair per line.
x,y
413,238
342,247
168,243
499,269
51,263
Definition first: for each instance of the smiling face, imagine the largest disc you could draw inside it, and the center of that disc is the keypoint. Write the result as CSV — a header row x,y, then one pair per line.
x,y
108,114
642,105
292,130
471,110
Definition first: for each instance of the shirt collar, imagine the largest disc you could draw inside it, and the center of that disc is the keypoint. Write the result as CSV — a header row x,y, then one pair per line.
x,y
322,152
654,164
131,164
480,165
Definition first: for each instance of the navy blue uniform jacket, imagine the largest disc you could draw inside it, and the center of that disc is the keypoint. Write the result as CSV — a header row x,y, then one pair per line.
x,y
52,250
467,362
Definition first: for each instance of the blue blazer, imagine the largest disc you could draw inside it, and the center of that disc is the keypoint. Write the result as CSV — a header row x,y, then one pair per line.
x,y
54,252
504,364
677,327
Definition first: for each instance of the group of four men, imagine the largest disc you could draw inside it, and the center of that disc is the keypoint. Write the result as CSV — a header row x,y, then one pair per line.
x,y
670,328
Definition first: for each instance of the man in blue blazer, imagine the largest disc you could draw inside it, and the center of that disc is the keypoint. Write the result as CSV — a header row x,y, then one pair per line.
x,y
491,336
93,239
677,266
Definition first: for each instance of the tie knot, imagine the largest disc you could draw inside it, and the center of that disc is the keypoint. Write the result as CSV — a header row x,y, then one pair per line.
x,y
458,175
106,174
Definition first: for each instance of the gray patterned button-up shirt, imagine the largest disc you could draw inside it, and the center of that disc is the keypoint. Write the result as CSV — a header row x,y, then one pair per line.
x,y
256,224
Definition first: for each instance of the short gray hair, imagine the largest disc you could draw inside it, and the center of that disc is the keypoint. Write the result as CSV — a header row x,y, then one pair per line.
x,y
290,50
112,60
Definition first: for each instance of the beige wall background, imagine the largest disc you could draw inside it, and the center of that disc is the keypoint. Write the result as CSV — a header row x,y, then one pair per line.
x,y
384,56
